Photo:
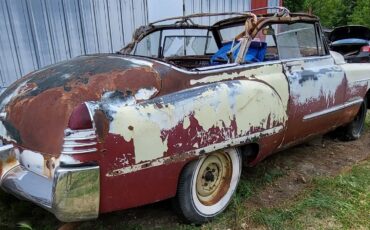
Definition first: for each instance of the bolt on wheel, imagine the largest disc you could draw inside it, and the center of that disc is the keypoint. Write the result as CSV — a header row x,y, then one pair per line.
x,y
206,185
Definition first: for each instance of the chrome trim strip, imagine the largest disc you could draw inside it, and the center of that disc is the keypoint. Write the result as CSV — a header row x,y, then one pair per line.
x,y
307,58
80,138
333,109
69,152
218,68
221,68
6,147
360,80
76,144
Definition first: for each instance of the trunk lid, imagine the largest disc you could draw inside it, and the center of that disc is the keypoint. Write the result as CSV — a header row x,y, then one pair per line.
x,y
34,111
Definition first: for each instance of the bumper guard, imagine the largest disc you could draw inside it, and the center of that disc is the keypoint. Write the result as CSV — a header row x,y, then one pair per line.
x,y
72,195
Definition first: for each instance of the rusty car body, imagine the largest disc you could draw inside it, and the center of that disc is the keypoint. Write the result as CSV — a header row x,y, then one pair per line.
x,y
106,132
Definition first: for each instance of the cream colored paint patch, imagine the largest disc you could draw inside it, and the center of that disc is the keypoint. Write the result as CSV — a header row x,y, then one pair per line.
x,y
278,81
271,74
326,84
250,103
356,72
161,161
186,123
134,124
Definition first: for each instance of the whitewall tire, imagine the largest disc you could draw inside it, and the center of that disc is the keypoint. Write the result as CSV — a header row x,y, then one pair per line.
x,y
206,186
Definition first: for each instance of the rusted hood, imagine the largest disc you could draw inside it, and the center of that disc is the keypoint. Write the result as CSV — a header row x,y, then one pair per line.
x,y
35,109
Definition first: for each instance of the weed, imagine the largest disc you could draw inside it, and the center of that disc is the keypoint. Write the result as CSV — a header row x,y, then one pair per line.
x,y
343,200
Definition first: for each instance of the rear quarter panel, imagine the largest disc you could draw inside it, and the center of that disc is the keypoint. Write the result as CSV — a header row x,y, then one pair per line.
x,y
147,143
358,77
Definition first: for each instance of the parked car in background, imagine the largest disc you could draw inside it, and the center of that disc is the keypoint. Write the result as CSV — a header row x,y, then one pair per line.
x,y
353,42
175,114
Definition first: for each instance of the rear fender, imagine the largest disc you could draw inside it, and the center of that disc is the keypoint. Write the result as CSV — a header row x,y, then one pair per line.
x,y
189,123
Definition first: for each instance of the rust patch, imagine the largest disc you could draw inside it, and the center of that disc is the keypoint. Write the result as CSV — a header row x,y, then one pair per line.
x,y
102,125
39,118
11,159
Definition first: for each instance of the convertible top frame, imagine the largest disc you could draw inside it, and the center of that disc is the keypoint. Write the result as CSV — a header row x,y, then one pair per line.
x,y
282,15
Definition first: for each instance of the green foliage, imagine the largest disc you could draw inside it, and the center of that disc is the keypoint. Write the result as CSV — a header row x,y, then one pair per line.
x,y
331,12
334,13
294,5
24,226
361,13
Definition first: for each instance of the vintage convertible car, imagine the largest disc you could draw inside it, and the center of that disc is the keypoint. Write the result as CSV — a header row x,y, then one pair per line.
x,y
175,114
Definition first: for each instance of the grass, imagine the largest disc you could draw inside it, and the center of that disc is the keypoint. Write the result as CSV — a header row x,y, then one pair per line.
x,y
236,215
367,121
17,214
342,202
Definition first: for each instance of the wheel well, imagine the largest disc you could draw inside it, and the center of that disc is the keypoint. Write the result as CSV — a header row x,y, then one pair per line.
x,y
249,152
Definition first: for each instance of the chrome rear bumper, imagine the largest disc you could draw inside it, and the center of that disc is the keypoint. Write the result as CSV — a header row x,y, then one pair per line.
x,y
72,195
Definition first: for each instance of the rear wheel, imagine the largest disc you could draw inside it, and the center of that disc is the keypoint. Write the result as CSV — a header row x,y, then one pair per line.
x,y
353,130
206,186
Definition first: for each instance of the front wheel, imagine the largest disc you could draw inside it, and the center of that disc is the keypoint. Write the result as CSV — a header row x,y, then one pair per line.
x,y
206,185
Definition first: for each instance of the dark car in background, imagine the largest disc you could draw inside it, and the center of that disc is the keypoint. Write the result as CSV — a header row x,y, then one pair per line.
x,y
353,42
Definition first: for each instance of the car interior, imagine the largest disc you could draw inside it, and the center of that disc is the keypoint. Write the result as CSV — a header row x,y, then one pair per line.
x,y
191,47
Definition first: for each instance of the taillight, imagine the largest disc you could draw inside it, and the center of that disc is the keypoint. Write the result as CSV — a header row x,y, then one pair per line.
x,y
80,118
80,136
365,49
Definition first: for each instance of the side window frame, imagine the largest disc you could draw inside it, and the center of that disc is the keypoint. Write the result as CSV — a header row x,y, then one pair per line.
x,y
318,38
322,39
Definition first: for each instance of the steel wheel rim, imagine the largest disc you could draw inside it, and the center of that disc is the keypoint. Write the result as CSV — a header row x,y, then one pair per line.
x,y
214,177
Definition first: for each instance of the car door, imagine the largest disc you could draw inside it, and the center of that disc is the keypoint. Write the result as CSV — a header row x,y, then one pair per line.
x,y
317,85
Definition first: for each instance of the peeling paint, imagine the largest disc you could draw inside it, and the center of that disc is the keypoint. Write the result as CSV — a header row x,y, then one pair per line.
x,y
161,161
145,94
357,73
272,74
32,161
308,85
247,103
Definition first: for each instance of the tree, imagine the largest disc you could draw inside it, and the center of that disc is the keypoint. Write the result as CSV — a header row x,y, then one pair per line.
x,y
332,13
361,13
294,5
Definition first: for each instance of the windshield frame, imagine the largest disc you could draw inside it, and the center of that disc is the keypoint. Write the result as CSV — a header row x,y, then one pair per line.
x,y
160,29
262,19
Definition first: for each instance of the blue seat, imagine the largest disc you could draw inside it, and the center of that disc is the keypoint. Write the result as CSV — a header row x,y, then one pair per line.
x,y
255,53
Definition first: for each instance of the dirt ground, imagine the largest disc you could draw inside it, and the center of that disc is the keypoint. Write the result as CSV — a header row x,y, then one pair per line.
x,y
320,157
323,156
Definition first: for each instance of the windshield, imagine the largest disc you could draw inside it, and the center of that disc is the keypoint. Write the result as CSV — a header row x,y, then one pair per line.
x,y
229,33
176,42
184,45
